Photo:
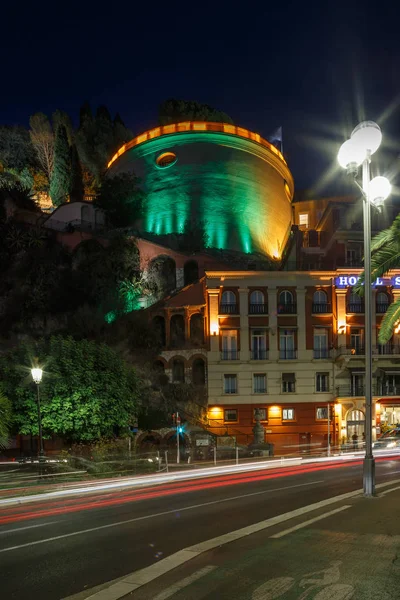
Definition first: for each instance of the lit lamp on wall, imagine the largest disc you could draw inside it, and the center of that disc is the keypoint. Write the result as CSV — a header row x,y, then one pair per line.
x,y
214,329
37,374
364,141
341,328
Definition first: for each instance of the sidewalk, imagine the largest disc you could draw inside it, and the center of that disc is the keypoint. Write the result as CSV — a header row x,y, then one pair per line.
x,y
347,550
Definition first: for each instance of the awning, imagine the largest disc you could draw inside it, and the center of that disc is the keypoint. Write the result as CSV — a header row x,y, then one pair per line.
x,y
389,370
291,377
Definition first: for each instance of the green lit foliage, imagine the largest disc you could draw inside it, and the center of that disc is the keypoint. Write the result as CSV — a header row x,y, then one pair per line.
x,y
5,418
98,137
121,198
175,111
385,255
60,182
16,159
87,392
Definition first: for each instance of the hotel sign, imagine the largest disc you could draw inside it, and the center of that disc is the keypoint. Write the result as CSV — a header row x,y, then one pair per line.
x,y
344,281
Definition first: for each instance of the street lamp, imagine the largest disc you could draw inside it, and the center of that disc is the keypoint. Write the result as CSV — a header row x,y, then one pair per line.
x,y
364,141
37,374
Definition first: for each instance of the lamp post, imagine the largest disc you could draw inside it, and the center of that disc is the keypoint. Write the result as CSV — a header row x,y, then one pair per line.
x,y
37,374
364,141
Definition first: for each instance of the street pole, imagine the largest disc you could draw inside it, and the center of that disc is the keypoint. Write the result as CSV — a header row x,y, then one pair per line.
x,y
41,450
178,458
369,461
329,429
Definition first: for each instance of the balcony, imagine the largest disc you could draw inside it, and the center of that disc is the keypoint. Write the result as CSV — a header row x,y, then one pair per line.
x,y
321,353
287,309
381,308
259,355
388,390
287,354
228,309
386,349
355,307
230,355
258,309
344,391
321,309
356,350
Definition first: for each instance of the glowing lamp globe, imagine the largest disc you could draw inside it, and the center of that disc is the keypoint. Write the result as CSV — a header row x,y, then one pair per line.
x,y
350,155
37,374
367,136
379,190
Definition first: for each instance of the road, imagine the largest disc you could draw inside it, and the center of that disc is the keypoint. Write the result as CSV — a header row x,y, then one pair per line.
x,y
51,550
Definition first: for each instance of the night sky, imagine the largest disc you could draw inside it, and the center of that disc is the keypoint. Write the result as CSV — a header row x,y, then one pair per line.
x,y
314,68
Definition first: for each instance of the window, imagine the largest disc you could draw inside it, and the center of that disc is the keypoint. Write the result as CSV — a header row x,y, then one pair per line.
x,y
356,340
303,220
262,413
230,384
230,414
288,414
321,342
382,303
258,344
166,159
286,304
287,344
228,303
320,297
322,413
322,382
229,339
353,257
260,383
357,384
288,383
257,303
355,304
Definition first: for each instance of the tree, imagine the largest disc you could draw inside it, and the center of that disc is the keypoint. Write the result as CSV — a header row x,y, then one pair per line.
x,y
174,111
194,237
60,182
77,190
87,392
42,138
122,199
5,418
62,118
16,150
385,255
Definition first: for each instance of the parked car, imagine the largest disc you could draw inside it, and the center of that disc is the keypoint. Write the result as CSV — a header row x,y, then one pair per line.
x,y
390,439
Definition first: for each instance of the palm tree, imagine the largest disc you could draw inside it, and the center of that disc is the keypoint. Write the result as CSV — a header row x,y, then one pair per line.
x,y
385,255
5,419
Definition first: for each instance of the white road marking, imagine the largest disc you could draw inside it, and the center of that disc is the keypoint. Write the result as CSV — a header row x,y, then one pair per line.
x,y
160,514
391,472
16,530
139,578
301,525
173,589
389,491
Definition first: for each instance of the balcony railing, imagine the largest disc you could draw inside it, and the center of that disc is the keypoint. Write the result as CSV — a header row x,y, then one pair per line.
x,y
388,348
322,352
230,355
359,350
287,354
343,391
381,308
355,307
388,390
258,309
228,309
322,308
259,355
287,309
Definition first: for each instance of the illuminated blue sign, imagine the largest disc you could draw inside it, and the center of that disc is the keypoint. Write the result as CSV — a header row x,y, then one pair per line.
x,y
344,281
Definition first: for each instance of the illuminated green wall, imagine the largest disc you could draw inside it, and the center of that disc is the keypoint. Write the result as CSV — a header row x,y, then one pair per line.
x,y
234,184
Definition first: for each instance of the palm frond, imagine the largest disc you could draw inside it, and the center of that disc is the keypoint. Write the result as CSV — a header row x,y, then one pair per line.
x,y
387,236
391,317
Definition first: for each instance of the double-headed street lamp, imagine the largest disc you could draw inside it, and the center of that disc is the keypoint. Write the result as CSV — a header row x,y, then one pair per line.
x,y
37,374
364,141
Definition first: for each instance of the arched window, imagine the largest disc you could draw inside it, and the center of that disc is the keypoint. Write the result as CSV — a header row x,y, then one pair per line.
x,y
178,371
190,272
199,372
228,303
162,274
257,302
177,331
197,330
159,328
355,303
286,304
382,302
320,302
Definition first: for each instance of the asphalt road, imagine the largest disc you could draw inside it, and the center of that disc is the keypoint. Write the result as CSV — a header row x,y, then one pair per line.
x,y
51,550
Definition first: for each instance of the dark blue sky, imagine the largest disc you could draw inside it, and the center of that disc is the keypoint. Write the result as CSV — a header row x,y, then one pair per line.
x,y
314,68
